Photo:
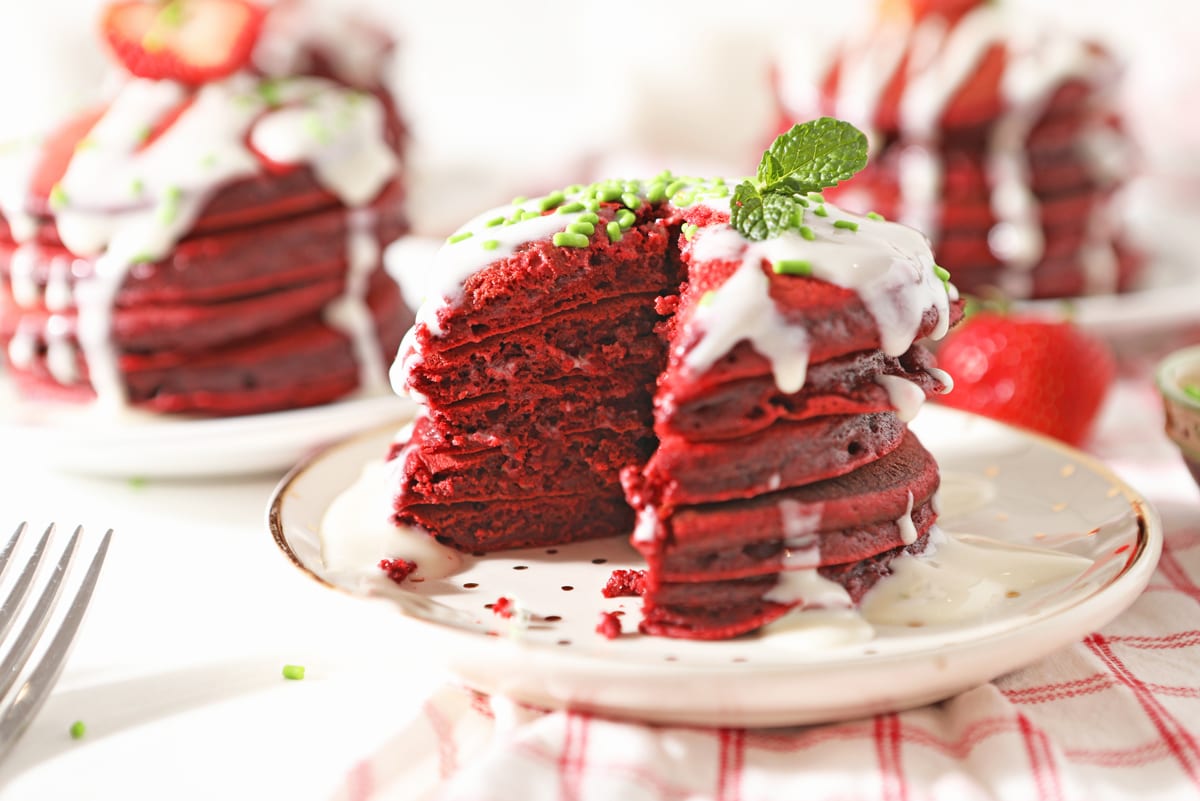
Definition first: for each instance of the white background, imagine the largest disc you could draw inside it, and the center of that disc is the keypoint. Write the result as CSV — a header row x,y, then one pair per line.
x,y
542,90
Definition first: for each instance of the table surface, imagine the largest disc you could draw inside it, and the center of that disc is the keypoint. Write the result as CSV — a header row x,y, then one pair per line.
x,y
177,671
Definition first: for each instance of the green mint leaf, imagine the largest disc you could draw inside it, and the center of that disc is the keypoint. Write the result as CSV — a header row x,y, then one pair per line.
x,y
814,155
780,213
746,213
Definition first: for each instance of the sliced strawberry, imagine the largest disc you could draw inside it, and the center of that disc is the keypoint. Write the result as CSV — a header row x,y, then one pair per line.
x,y
58,149
191,41
1048,376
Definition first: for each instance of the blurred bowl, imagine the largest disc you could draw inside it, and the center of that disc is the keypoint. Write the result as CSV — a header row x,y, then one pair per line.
x,y
1178,379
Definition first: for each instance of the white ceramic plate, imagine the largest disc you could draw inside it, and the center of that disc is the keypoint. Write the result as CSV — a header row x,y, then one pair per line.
x,y
997,482
145,446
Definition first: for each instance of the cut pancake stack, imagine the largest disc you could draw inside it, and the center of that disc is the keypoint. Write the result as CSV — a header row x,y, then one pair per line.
x,y
619,360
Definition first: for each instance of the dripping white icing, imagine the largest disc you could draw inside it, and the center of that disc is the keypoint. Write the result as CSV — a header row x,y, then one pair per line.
x,y
798,523
25,292
61,356
647,525
942,377
350,312
742,309
889,266
801,585
904,396
355,532
908,531
339,134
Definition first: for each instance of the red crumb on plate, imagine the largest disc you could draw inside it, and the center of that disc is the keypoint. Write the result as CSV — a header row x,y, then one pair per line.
x,y
503,607
609,626
397,569
625,583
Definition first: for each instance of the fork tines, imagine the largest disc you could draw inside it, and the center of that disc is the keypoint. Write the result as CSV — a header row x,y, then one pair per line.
x,y
18,708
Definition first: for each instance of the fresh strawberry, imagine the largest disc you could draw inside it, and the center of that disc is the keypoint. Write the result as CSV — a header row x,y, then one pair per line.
x,y
191,41
1051,377
58,149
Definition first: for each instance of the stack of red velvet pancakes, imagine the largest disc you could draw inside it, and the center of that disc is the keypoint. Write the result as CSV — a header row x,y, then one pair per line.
x,y
209,239
722,373
993,134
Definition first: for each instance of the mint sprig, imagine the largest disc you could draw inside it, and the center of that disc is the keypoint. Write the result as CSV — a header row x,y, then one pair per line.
x,y
810,157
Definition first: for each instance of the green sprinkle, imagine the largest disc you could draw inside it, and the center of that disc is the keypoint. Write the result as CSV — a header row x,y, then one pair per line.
x,y
807,233
664,176
571,207
631,200
941,272
314,126
846,225
518,200
459,237
137,186
689,230
144,133
801,201
816,197
792,267
77,730
657,193
718,181
293,672
58,197
625,218
209,161
492,223
707,299
589,216
874,216
171,14
551,200
142,258
137,482
820,211
610,194
490,244
574,189
614,231
585,228
566,239
1192,391
168,209
683,198
529,215
268,90
675,186
593,205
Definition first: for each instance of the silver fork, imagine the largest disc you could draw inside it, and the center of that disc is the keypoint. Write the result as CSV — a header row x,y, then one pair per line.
x,y
17,709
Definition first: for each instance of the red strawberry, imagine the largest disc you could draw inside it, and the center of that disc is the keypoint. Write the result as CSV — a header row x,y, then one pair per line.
x,y
191,41
1051,377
